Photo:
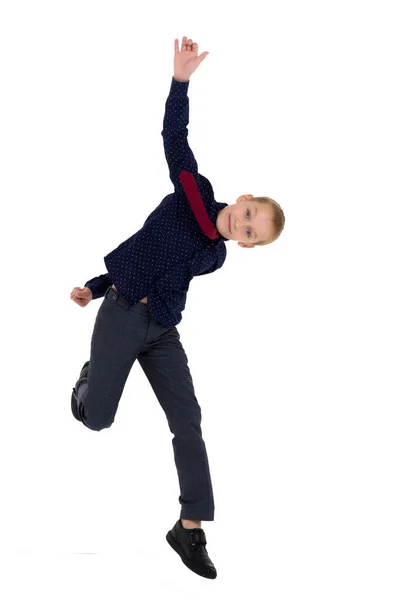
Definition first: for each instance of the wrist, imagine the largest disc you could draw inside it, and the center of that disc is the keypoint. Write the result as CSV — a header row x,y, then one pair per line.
x,y
180,79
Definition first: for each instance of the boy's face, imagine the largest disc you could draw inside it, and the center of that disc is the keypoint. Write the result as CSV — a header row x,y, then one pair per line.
x,y
246,222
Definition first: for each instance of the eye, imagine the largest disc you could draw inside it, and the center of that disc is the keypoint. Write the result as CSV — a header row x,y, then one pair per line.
x,y
249,234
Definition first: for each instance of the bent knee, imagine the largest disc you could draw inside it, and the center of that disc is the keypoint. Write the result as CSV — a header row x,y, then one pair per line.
x,y
97,421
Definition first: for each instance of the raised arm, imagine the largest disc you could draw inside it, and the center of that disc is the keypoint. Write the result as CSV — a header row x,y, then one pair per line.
x,y
175,133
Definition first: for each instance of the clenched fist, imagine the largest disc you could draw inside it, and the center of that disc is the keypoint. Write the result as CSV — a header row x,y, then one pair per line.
x,y
81,296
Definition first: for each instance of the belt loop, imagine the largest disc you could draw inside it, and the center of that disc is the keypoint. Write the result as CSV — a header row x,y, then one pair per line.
x,y
111,293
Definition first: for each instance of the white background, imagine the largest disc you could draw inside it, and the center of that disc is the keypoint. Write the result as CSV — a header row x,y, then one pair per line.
x,y
293,347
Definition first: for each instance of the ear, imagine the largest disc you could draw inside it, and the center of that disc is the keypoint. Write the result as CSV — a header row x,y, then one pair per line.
x,y
244,197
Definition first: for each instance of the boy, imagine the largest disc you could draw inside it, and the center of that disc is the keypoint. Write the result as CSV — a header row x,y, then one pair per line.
x,y
145,292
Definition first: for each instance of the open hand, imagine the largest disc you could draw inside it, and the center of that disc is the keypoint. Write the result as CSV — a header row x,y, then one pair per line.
x,y
186,61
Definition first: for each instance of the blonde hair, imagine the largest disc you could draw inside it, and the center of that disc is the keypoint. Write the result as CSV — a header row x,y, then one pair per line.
x,y
278,218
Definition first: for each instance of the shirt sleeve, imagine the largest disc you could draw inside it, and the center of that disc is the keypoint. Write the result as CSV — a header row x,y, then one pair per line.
x,y
99,285
178,153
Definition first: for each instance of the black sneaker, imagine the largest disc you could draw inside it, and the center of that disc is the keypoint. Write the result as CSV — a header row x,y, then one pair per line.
x,y
190,544
85,371
74,399
74,405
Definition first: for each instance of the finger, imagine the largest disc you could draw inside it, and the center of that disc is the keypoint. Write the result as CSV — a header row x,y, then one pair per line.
x,y
200,58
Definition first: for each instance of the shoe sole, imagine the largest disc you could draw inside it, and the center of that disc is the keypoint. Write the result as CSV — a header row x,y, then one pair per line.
x,y
74,399
74,406
85,371
174,544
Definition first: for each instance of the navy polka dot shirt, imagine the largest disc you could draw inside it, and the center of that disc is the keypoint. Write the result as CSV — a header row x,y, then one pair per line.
x,y
172,247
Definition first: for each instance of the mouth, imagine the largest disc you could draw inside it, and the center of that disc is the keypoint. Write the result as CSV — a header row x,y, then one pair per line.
x,y
229,224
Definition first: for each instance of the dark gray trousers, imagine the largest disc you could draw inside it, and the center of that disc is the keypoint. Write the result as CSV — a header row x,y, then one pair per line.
x,y
121,334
